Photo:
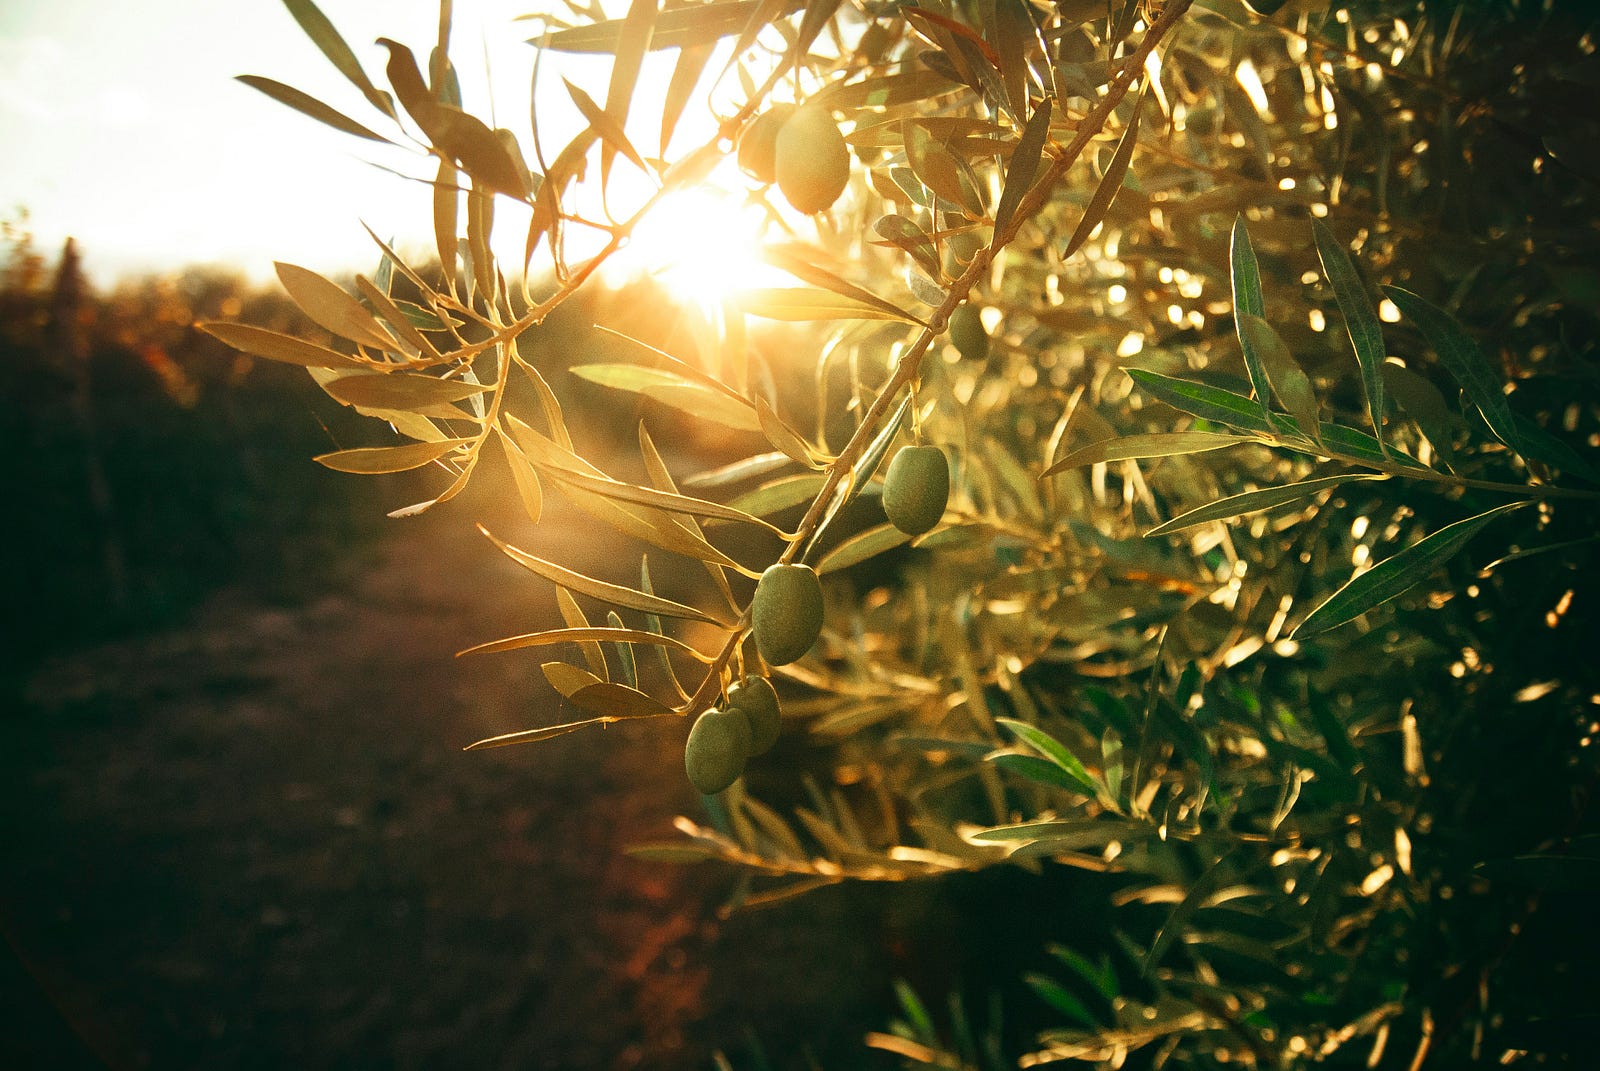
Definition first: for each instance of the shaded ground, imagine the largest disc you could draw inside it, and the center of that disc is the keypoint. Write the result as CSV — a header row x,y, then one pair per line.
x,y
254,841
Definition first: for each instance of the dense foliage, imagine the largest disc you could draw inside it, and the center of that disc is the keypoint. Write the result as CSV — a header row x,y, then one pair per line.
x,y
1261,582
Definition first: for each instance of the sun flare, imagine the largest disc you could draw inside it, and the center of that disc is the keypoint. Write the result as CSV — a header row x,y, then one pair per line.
x,y
703,244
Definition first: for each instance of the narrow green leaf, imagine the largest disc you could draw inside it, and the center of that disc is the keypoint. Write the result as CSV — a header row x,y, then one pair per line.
x,y
306,104
861,546
1160,444
785,438
1394,576
325,37
1255,501
1536,444
1245,273
1021,168
1051,992
1460,354
1110,183
614,594
1360,319
373,460
1174,926
1056,752
1289,381
259,342
575,618
630,668
780,494
1204,401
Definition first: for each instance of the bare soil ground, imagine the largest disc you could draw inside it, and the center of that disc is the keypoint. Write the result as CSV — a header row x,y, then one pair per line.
x,y
254,841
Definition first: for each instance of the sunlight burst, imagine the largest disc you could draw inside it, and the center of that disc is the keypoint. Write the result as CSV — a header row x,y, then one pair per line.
x,y
702,244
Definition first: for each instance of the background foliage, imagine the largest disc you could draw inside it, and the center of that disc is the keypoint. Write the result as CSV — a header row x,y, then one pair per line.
x,y
1327,276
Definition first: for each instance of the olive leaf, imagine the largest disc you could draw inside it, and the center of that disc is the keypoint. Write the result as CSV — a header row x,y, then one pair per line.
x,y
614,594
306,104
861,546
259,342
1245,275
1021,168
1256,501
1360,319
1155,444
327,39
1110,183
1461,356
1397,574
373,460
400,390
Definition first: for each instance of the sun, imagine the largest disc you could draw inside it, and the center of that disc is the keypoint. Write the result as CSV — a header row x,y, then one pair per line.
x,y
702,244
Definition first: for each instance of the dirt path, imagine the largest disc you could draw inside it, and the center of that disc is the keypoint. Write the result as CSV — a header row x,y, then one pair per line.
x,y
255,842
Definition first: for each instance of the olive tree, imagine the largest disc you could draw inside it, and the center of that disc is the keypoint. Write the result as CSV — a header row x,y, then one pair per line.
x,y
1169,453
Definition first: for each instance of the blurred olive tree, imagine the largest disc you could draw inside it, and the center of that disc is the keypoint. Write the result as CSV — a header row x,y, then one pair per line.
x,y
1227,381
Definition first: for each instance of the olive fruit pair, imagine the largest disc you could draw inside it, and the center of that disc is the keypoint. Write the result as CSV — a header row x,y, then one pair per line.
x,y
916,489
786,613
801,149
722,740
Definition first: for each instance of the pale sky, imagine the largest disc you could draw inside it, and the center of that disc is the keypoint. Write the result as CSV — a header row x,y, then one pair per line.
x,y
121,125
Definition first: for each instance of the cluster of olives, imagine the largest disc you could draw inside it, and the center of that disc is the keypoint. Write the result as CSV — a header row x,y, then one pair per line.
x,y
724,739
801,149
786,619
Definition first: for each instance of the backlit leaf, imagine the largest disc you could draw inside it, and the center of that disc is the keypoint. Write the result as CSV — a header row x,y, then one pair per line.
x,y
1460,354
1289,381
1158,444
321,31
1360,319
1245,274
861,546
614,594
1021,168
672,389
309,105
1110,184
803,303
1255,501
380,459
330,307
400,390
259,342
1396,575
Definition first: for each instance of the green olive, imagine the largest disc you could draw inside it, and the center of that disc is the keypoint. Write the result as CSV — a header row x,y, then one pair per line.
x,y
916,488
811,160
786,614
758,146
716,749
756,697
967,333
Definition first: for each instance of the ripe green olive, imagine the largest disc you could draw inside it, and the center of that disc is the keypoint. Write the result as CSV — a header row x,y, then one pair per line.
x,y
756,697
967,333
811,160
786,614
758,147
715,752
916,488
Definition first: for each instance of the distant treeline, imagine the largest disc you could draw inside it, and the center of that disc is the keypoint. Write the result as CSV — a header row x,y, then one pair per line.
x,y
150,462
